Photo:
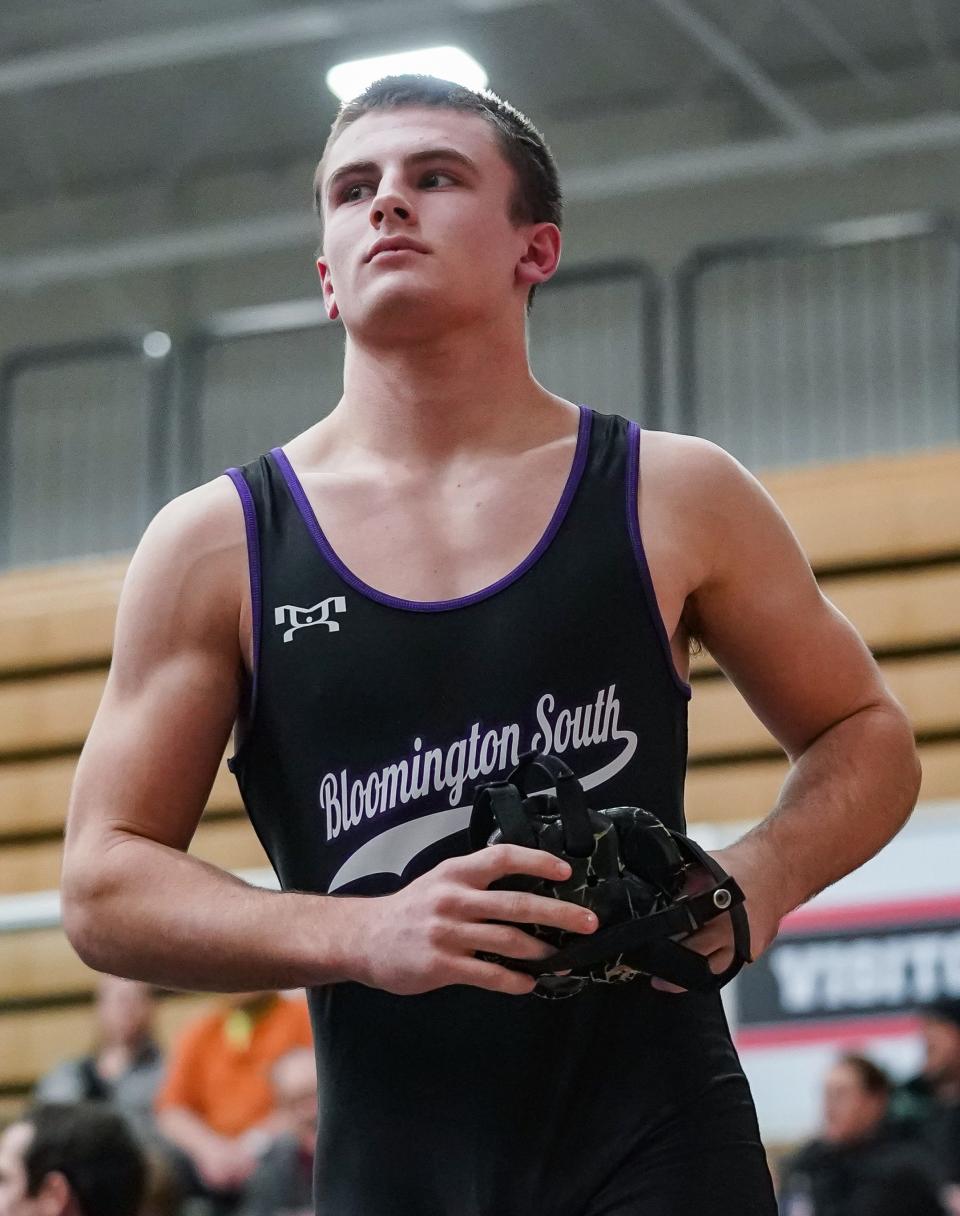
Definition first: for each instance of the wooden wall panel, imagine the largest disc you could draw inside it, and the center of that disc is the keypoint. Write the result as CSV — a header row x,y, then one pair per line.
x,y
33,1041
53,711
892,609
230,843
34,794
721,722
748,789
878,510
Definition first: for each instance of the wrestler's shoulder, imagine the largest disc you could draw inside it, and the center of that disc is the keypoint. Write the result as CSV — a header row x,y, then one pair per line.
x,y
193,553
679,450
205,523
690,471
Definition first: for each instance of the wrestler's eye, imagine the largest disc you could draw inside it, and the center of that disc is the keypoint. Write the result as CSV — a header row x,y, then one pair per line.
x,y
350,194
354,192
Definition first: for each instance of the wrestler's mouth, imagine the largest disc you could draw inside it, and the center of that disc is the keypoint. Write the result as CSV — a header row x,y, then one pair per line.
x,y
394,244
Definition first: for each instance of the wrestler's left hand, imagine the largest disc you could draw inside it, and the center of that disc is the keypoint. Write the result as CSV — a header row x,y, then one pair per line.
x,y
764,913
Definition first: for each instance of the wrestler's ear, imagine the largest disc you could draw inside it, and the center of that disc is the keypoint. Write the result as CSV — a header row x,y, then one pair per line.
x,y
54,1195
541,255
326,283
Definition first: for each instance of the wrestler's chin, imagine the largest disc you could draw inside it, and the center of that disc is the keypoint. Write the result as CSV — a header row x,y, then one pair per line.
x,y
399,312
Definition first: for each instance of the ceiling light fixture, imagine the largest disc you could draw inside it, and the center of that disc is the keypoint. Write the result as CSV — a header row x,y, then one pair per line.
x,y
348,80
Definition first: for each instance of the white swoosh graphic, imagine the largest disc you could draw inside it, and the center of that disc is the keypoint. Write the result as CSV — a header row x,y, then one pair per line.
x,y
393,850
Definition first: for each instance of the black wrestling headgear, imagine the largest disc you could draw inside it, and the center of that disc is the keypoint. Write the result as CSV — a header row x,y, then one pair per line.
x,y
627,866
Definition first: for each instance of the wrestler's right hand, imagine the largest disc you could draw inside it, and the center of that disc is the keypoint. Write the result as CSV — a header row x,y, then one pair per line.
x,y
426,936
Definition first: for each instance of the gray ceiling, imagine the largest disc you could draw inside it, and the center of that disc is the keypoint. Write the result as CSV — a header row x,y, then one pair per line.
x,y
101,92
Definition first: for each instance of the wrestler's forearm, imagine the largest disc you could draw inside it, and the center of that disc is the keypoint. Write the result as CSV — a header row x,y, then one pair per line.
x,y
846,795
149,912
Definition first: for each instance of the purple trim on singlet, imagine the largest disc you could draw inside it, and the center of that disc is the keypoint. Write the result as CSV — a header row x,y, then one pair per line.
x,y
310,519
633,523
253,562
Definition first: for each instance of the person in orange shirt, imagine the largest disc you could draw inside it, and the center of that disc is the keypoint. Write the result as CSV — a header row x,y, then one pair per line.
x,y
216,1103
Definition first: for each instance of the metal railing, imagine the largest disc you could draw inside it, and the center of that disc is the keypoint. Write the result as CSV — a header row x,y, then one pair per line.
x,y
834,342
60,457
258,345
228,388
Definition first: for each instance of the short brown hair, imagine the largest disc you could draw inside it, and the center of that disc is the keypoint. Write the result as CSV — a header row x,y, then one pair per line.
x,y
873,1079
537,197
95,1150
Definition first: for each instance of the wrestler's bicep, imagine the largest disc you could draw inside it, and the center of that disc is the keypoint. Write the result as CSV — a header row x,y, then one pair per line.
x,y
797,660
174,685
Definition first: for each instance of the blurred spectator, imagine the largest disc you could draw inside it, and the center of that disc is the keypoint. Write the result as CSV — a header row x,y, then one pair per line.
x,y
79,1160
929,1105
216,1102
165,1193
858,1167
125,1066
283,1182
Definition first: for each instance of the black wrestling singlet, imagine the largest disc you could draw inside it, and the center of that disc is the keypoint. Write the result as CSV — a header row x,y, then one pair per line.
x,y
370,721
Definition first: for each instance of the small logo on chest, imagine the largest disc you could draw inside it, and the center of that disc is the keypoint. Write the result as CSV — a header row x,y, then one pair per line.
x,y
303,618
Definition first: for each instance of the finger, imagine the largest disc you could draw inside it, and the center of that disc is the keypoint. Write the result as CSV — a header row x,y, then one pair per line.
x,y
717,960
497,860
713,936
697,879
491,976
720,960
665,985
520,907
508,941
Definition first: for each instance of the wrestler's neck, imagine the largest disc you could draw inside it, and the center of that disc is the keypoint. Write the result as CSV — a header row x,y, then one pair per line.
x,y
430,400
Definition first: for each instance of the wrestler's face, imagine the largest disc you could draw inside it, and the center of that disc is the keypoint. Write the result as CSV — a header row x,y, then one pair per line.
x,y
437,180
